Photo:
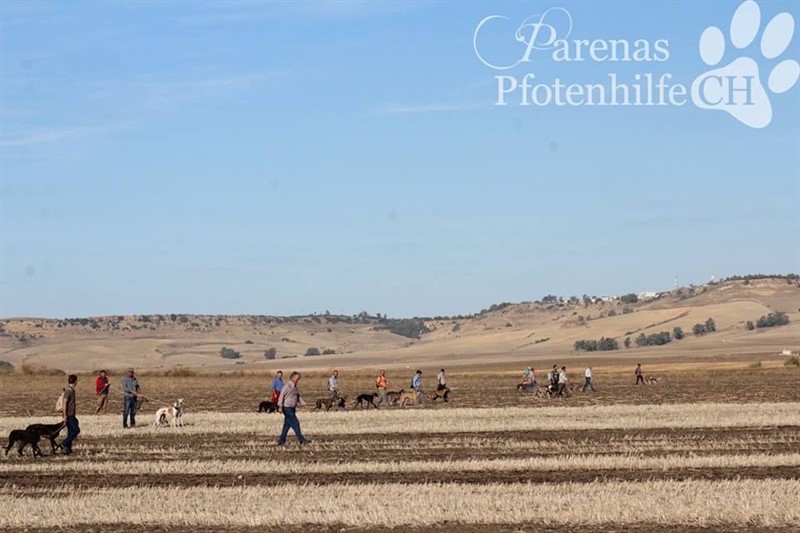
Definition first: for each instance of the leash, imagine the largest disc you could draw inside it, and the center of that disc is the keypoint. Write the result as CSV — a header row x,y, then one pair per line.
x,y
140,395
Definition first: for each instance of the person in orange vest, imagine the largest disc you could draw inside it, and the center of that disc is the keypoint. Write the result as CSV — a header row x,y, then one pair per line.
x,y
381,383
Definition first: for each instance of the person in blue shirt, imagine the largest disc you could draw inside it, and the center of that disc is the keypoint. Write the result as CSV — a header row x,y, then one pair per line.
x,y
416,381
130,391
277,386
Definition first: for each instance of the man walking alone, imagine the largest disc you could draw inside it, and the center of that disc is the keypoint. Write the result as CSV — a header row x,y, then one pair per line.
x,y
588,382
288,402
70,420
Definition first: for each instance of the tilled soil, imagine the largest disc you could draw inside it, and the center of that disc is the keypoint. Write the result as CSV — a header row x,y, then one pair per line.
x,y
34,395
243,394
26,480
641,527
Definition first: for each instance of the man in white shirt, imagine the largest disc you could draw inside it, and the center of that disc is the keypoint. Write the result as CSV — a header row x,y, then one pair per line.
x,y
441,385
588,382
333,385
562,382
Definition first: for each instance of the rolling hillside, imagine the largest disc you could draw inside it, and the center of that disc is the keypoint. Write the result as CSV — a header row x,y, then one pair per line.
x,y
507,334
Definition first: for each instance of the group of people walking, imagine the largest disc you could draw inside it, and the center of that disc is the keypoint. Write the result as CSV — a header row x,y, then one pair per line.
x,y
557,381
287,397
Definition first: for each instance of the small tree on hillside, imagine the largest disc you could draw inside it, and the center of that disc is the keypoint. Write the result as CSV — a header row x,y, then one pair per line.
x,y
699,329
270,353
677,333
229,353
750,326
711,325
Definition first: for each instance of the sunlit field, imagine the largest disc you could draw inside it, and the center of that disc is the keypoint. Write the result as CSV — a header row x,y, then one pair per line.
x,y
590,460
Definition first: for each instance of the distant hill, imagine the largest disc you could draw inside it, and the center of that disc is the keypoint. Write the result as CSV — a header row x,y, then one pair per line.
x,y
504,333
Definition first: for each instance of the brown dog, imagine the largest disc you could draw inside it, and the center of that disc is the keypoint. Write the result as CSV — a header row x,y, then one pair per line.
x,y
329,403
393,396
408,398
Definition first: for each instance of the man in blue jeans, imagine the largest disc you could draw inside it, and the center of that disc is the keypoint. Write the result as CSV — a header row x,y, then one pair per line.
x,y
130,390
288,401
68,408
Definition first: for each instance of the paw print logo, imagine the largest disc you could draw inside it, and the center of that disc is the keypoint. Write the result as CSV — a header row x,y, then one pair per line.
x,y
737,87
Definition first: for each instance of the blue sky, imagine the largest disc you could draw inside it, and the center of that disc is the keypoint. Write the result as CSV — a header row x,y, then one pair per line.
x,y
282,158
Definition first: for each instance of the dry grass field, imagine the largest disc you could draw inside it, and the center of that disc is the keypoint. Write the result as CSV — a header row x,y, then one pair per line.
x,y
714,446
704,450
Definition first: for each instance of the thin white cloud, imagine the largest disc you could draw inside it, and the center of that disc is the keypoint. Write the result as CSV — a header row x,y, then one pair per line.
x,y
140,97
160,93
416,109
249,11
36,136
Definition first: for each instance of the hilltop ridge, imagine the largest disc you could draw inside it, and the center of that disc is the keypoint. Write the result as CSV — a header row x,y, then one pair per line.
x,y
504,332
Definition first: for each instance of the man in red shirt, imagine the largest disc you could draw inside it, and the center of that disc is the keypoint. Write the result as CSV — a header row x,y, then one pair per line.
x,y
101,384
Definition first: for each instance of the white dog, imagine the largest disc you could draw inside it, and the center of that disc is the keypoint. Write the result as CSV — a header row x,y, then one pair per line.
x,y
172,416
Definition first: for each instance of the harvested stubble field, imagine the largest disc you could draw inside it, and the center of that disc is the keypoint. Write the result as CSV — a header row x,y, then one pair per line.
x,y
690,454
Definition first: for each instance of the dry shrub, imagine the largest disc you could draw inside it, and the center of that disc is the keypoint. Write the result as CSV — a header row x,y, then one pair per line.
x,y
179,372
754,364
40,370
792,361
6,367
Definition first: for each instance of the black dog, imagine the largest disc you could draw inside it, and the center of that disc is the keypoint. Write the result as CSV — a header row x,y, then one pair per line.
x,y
49,431
267,407
367,399
24,437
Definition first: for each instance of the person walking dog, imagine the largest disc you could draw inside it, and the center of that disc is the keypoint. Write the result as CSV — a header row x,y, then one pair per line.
x,y
68,406
381,383
638,374
101,386
130,391
277,386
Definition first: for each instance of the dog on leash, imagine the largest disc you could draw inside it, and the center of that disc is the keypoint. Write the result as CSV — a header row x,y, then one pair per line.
x,y
329,403
24,437
410,397
366,399
49,431
393,396
267,407
172,416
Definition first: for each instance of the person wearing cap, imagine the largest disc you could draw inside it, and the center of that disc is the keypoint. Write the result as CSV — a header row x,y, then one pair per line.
x,y
130,391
